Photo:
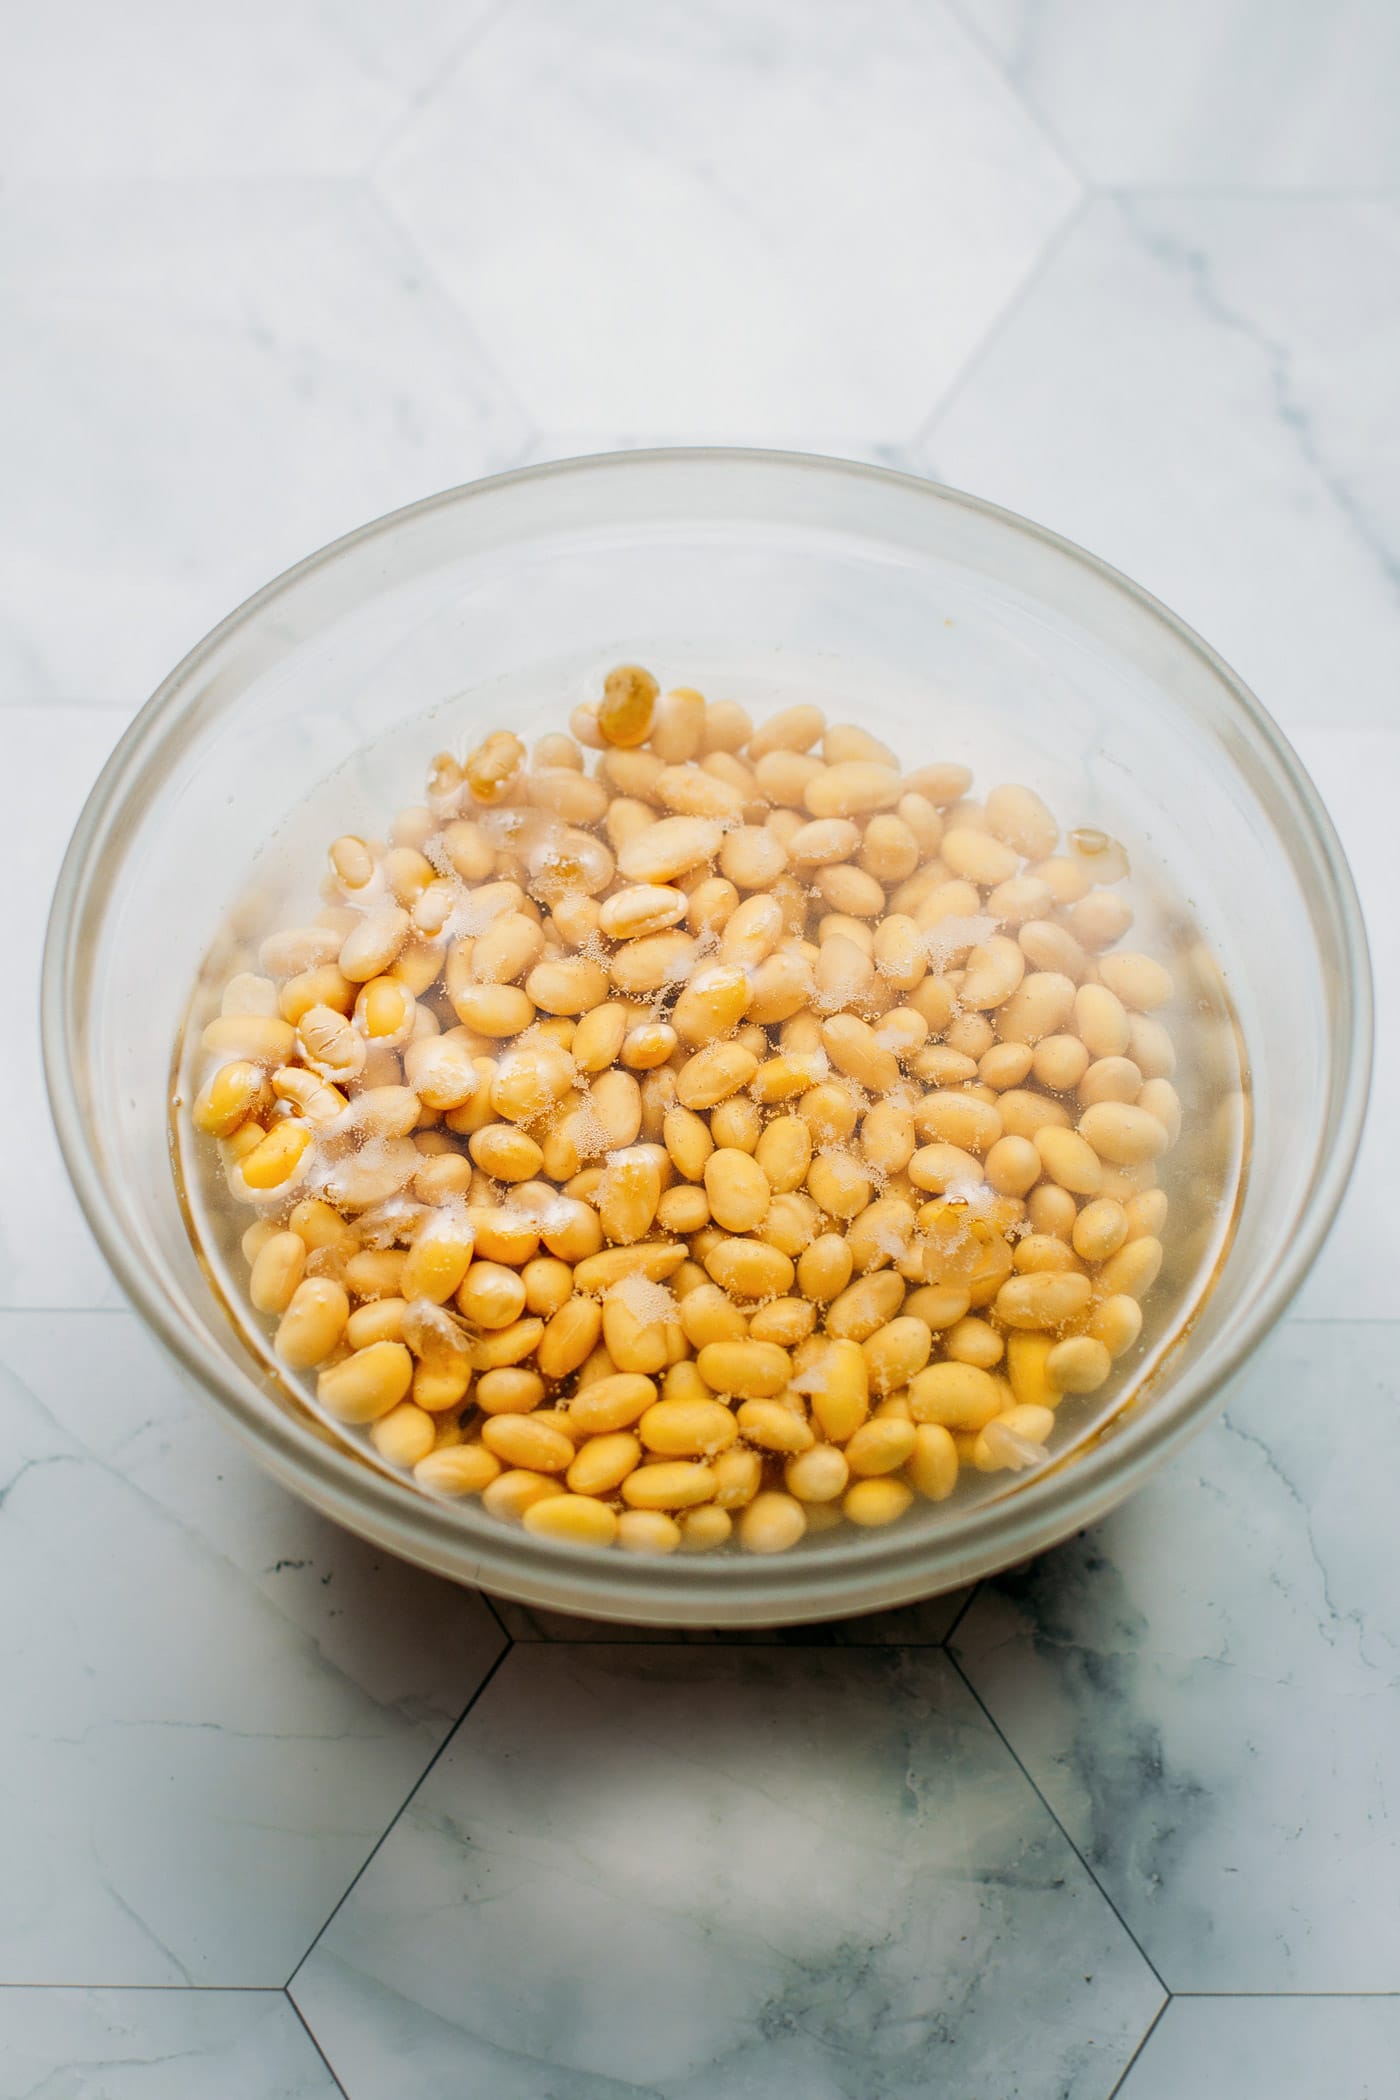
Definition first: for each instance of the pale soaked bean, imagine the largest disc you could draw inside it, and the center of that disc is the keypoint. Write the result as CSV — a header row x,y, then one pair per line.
x,y
866,1305
993,971
852,787
509,1390
1100,1021
1099,919
1047,946
978,857
1132,1271
889,850
895,1353
790,729
854,1049
369,950
824,1268
1005,1065
1144,1215
973,1341
572,985
494,1009
458,1469
851,891
738,1190
1158,1099
1122,1133
1040,1006
1017,816
577,1520
874,1502
1013,1166
668,848
1023,1114
404,1436
647,1531
1099,1230
744,1369
1079,1364
960,1396
507,949
1047,1300
940,1167
669,1484
958,1119
368,1383
1138,980
751,857
1069,1159
887,1137
879,1446
1150,1047
276,1272
1014,1440
491,1295
715,1072
772,1523
825,842
510,1494
786,1321
1117,1323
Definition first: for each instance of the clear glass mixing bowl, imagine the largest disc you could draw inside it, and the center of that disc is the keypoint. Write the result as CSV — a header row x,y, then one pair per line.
x,y
1031,659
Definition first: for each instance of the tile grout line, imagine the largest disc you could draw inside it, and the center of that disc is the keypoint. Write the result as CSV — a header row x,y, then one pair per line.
x,y
1029,108
252,1990
405,236
373,1852
1126,2072
1030,1782
968,1603
428,94
306,2029
997,328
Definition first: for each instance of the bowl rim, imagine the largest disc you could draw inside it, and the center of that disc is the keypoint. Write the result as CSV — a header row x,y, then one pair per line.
x,y
881,1568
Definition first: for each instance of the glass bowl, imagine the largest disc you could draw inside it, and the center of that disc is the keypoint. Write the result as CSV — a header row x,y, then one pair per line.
x,y
958,630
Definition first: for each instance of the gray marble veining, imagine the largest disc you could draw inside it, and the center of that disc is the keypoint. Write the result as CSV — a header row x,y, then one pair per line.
x,y
1206,1687
703,1873
156,2045
214,1700
266,273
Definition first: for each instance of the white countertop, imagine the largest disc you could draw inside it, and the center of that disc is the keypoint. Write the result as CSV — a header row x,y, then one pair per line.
x,y
281,1818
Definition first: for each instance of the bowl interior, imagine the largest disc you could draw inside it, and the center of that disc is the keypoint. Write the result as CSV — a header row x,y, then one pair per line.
x,y
951,630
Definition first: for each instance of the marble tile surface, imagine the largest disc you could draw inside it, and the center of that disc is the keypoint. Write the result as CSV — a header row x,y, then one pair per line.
x,y
275,87
156,2045
736,1871
215,1701
47,1255
1270,2049
1200,391
1206,1687
1133,272
729,215
201,382
1208,93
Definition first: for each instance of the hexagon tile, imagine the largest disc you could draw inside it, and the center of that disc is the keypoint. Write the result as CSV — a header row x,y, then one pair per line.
x,y
1209,93
156,2045
275,368
704,1873
1201,390
214,1701
728,216
1204,1686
